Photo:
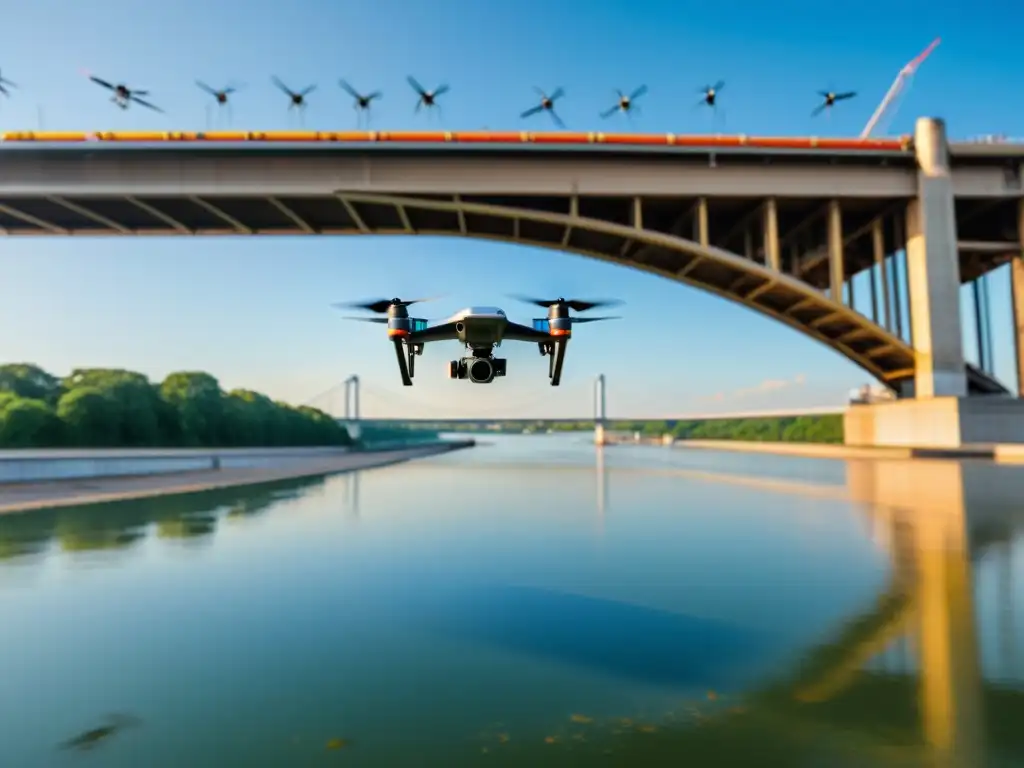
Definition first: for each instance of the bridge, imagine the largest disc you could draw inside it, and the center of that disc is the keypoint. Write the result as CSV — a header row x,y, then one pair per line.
x,y
350,413
780,225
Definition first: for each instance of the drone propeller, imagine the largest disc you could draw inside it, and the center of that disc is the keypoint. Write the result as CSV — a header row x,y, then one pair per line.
x,y
595,319
577,305
830,99
382,320
5,84
547,103
625,103
381,306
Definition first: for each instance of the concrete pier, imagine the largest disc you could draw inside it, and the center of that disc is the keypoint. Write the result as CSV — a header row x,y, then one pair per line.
x,y
935,411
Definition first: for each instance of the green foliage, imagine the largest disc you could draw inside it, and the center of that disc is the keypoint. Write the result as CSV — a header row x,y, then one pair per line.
x,y
824,428
103,407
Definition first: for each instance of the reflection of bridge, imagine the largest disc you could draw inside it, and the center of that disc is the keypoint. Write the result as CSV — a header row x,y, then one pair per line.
x,y
935,518
782,226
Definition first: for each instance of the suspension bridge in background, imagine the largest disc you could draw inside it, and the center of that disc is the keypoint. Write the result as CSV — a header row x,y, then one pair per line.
x,y
345,401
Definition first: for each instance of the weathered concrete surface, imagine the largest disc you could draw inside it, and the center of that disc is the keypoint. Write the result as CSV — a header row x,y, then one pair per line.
x,y
63,493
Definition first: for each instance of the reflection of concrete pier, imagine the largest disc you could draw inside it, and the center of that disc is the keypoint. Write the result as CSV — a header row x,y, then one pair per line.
x,y
599,411
941,515
601,475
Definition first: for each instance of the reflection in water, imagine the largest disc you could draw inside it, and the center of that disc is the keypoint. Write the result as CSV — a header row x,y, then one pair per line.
x,y
664,648
88,740
457,634
119,525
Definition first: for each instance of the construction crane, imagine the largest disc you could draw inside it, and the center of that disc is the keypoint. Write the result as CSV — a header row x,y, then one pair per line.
x,y
904,77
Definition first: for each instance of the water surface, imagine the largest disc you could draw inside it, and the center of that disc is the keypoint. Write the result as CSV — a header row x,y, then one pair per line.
x,y
534,601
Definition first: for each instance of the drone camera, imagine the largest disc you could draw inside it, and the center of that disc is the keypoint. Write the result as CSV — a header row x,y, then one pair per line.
x,y
479,370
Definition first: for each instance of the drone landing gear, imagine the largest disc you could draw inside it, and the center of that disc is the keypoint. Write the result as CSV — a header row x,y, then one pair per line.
x,y
555,350
407,359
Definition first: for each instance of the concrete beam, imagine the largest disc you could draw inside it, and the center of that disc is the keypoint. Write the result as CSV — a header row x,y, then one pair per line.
x,y
113,173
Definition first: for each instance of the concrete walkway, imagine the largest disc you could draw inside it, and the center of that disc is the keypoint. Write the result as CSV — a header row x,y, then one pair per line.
x,y
65,493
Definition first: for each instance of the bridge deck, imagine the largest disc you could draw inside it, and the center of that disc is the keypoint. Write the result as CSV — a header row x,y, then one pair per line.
x,y
691,208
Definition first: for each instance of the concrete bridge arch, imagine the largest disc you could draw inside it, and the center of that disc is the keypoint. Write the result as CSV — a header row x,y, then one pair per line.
x,y
614,231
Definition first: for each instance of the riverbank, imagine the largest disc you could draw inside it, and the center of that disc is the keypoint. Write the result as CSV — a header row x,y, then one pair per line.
x,y
20,497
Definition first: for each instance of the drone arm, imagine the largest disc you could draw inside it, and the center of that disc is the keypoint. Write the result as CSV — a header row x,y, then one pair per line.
x,y
442,332
517,332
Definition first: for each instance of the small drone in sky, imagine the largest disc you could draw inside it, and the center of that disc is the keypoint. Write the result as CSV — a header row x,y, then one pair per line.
x,y
710,94
625,103
481,330
221,96
297,100
5,84
547,103
125,96
361,103
427,98
830,99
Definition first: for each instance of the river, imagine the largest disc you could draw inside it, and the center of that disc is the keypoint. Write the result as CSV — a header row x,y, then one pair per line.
x,y
533,601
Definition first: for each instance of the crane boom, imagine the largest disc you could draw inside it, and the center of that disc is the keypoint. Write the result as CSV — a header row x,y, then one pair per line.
x,y
897,86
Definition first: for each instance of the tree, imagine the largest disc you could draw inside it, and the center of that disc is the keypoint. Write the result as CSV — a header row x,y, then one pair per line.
x,y
28,423
138,412
29,381
199,400
91,418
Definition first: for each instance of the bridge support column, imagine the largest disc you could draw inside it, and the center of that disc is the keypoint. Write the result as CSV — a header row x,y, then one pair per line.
x,y
352,407
933,270
1017,291
939,415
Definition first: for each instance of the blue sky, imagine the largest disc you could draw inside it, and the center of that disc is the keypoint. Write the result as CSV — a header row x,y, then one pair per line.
x,y
256,312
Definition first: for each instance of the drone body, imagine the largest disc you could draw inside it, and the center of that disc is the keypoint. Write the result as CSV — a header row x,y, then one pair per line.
x,y
427,98
546,104
625,104
481,330
709,94
296,99
123,96
220,96
829,100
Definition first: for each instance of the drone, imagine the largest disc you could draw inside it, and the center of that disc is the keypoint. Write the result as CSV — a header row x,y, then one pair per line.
x,y
124,96
427,98
830,99
547,103
361,103
481,330
296,100
710,94
5,84
221,96
625,103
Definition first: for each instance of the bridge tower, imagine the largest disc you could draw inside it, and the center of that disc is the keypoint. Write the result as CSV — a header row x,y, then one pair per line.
x,y
352,422
599,411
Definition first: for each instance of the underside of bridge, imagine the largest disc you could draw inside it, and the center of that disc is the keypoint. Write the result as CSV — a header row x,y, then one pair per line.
x,y
786,258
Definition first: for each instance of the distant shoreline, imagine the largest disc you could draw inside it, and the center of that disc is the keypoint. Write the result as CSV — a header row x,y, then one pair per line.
x,y
24,497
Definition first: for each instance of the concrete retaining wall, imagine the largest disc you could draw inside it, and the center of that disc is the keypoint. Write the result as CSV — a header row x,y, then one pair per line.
x,y
33,466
